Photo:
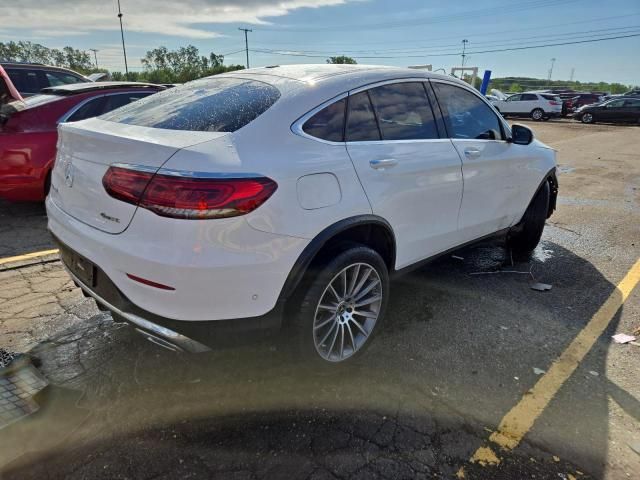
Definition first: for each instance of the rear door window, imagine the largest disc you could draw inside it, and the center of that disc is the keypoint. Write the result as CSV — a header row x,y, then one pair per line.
x,y
361,121
328,123
403,111
207,105
466,115
528,97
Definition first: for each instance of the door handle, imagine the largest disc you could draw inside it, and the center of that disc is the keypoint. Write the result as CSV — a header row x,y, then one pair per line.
x,y
383,163
472,152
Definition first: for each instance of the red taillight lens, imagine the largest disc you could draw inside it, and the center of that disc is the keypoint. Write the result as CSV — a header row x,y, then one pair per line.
x,y
551,102
125,184
178,196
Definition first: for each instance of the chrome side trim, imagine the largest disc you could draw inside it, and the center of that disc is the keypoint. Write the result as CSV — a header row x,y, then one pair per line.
x,y
185,173
175,338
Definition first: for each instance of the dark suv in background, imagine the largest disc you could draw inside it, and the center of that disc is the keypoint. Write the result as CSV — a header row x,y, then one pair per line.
x,y
30,78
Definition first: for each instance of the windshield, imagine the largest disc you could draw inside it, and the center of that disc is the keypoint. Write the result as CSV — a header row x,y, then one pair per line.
x,y
349,240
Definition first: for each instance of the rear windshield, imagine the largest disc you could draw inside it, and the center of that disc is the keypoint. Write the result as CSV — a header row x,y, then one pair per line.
x,y
207,105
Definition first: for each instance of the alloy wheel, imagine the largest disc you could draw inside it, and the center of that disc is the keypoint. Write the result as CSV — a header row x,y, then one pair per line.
x,y
587,118
347,312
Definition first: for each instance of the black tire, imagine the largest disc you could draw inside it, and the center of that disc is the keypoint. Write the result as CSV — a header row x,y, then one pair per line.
x,y
537,114
524,238
319,278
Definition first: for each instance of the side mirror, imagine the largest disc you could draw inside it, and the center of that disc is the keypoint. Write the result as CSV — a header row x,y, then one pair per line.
x,y
521,135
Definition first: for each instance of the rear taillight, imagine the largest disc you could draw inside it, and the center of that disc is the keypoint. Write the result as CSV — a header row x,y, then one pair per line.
x,y
183,195
552,102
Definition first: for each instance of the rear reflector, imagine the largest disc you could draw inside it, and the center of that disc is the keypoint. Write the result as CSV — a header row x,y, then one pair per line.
x,y
188,197
151,283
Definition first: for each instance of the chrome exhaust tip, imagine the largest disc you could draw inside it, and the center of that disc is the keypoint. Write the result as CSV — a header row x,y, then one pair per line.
x,y
159,341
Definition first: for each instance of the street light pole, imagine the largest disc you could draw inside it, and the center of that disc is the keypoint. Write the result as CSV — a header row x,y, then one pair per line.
x,y
246,42
95,55
124,51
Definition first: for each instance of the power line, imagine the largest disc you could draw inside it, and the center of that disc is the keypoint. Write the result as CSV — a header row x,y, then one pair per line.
x,y
495,43
483,33
297,54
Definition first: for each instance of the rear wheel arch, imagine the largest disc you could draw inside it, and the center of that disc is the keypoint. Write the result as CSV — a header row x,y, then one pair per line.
x,y
369,230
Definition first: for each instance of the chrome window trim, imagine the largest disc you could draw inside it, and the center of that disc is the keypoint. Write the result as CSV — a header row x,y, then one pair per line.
x,y
296,127
473,91
185,173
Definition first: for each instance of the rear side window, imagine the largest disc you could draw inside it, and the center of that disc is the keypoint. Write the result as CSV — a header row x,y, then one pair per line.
x,y
403,111
328,123
551,97
207,105
632,103
466,115
361,121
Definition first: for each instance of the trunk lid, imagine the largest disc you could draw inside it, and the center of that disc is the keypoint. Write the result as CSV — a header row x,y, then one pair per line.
x,y
86,150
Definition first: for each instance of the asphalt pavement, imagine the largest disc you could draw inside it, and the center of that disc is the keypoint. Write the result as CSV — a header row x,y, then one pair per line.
x,y
467,344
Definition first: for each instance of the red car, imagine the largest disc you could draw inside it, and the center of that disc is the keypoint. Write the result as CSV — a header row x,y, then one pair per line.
x,y
28,130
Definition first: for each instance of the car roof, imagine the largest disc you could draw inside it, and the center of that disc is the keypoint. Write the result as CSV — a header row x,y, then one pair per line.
x,y
311,73
76,88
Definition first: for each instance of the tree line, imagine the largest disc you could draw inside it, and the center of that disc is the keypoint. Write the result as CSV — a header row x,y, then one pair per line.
x,y
183,64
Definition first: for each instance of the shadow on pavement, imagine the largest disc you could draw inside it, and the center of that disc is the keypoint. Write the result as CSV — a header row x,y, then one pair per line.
x,y
459,351
23,228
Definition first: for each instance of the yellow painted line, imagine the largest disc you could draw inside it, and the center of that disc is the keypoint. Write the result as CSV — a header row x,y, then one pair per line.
x,y
519,420
27,256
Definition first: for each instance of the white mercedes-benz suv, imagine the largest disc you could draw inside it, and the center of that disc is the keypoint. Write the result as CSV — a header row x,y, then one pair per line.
x,y
287,196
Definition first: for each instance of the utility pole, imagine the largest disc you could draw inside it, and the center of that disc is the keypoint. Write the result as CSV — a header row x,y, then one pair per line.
x,y
246,42
464,48
573,71
95,55
553,60
124,51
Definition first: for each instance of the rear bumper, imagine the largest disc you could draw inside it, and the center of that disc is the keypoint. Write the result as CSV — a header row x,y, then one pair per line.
x,y
219,269
194,337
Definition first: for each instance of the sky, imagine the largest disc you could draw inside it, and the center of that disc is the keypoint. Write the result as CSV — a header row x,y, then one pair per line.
x,y
398,32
